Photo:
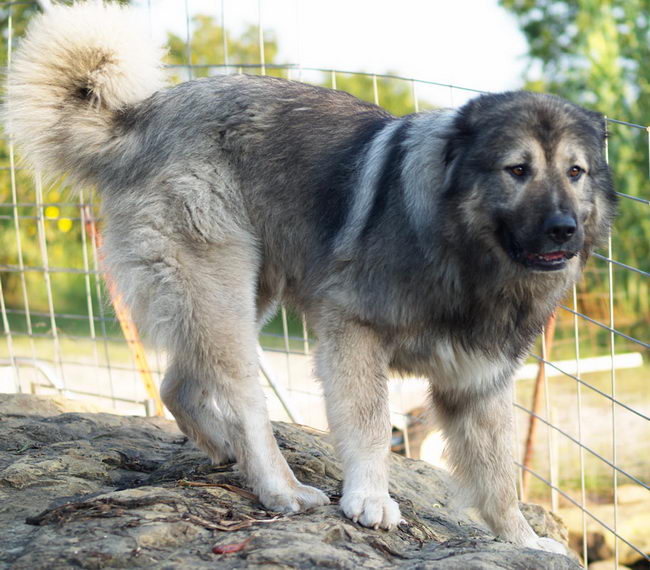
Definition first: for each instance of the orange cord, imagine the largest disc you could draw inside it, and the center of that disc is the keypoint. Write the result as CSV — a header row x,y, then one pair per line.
x,y
123,315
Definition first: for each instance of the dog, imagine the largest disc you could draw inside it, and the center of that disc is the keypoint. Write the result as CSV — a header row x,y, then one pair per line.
x,y
435,244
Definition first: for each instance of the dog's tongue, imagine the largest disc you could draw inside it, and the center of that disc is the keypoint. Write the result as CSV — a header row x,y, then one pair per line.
x,y
553,256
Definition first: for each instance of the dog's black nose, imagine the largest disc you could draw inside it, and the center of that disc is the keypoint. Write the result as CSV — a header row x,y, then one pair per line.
x,y
560,227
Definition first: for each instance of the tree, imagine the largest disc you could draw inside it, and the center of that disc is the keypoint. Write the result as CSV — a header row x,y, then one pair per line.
x,y
595,51
393,94
18,15
207,48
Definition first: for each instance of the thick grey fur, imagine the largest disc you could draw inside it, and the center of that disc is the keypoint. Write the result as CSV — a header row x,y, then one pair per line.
x,y
407,242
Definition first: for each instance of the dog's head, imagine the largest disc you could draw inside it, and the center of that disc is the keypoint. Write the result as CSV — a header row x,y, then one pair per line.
x,y
528,175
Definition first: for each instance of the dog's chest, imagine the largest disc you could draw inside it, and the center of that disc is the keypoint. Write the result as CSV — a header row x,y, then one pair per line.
x,y
450,365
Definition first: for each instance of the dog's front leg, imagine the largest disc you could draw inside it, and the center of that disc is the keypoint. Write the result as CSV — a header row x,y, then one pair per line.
x,y
478,433
353,368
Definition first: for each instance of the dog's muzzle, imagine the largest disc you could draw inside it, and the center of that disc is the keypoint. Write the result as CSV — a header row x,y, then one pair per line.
x,y
558,239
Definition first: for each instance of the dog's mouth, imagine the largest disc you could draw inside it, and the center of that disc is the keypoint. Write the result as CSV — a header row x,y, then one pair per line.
x,y
551,261
537,261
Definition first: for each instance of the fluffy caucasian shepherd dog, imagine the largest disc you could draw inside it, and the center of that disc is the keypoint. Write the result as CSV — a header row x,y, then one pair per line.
x,y
435,244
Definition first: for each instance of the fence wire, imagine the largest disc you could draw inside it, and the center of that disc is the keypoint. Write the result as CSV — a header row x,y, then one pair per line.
x,y
592,466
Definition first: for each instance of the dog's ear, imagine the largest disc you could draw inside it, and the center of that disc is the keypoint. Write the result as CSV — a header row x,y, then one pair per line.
x,y
452,149
598,123
460,133
466,124
595,130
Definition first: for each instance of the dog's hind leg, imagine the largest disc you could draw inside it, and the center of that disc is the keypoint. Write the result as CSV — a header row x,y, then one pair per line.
x,y
198,299
478,435
212,435
352,365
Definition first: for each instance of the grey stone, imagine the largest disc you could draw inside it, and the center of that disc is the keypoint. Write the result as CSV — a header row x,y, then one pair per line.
x,y
94,490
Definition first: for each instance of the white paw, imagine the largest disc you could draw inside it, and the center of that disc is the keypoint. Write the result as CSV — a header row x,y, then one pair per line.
x,y
548,545
296,498
371,510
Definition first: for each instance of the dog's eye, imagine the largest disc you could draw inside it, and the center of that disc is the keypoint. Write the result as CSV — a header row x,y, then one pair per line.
x,y
575,172
519,170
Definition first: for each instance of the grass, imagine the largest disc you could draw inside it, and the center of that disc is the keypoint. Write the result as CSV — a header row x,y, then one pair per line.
x,y
564,404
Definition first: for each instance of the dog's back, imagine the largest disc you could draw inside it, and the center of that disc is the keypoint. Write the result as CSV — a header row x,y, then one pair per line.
x,y
410,242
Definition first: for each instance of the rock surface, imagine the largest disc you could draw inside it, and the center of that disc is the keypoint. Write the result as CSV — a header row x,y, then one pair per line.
x,y
94,490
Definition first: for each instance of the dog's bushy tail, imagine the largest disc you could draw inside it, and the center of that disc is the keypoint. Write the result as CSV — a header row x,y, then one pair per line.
x,y
74,71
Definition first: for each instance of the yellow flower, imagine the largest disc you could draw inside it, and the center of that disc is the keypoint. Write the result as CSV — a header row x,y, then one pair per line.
x,y
51,212
64,224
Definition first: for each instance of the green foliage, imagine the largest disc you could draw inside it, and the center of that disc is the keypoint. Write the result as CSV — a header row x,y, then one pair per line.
x,y
595,51
207,47
392,94
17,16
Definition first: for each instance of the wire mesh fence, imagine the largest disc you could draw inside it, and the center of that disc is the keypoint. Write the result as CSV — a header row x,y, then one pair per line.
x,y
582,401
